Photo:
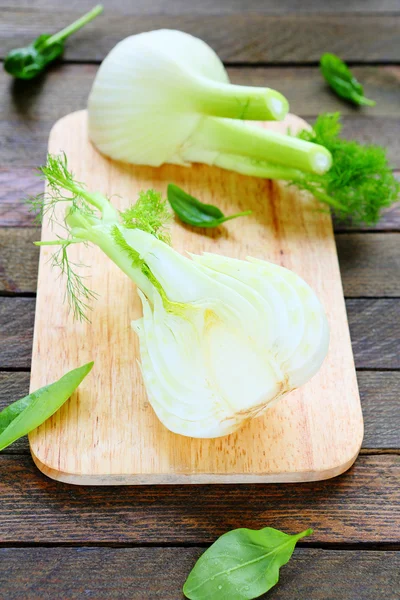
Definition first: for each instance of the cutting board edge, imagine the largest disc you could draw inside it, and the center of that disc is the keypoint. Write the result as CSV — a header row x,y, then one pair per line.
x,y
70,116
194,479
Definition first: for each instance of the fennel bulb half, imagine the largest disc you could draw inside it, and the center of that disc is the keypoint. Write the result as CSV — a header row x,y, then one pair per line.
x,y
221,339
164,97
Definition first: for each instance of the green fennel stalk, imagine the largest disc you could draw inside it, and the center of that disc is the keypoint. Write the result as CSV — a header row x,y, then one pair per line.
x,y
228,138
90,217
217,99
359,184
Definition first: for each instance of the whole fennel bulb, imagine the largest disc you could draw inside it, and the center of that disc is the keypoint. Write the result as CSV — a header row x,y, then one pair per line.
x,y
164,97
221,339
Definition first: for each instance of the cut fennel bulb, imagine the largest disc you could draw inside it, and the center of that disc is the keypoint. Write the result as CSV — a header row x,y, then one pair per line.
x,y
164,97
242,335
221,339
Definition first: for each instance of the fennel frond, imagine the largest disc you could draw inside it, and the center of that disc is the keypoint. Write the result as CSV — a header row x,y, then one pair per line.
x,y
360,182
150,213
77,293
85,211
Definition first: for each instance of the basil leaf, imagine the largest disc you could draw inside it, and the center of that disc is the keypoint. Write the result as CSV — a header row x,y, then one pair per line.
x,y
195,213
22,416
242,564
342,81
30,61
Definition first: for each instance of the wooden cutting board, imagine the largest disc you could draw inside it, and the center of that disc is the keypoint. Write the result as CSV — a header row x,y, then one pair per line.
x,y
107,433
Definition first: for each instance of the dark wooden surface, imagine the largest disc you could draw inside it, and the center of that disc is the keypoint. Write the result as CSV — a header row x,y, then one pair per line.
x,y
60,541
358,507
243,34
125,573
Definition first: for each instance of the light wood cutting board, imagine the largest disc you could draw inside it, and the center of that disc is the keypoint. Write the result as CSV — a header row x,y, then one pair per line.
x,y
107,432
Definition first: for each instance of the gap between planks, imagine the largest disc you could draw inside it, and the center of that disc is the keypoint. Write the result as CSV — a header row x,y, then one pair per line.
x,y
362,546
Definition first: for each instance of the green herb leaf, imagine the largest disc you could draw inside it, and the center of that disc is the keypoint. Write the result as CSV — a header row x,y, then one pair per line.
x,y
342,81
195,213
360,182
30,61
242,564
22,416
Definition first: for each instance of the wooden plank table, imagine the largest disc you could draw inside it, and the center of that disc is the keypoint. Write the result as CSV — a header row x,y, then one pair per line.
x,y
66,542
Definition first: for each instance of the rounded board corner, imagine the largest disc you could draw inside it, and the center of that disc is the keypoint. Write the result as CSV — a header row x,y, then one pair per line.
x,y
69,120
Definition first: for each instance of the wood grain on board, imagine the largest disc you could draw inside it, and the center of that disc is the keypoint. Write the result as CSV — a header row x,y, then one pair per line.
x,y
108,433
360,506
159,573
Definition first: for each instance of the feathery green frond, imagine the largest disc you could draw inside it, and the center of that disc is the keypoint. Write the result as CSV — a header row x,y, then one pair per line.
x,y
89,217
77,293
150,213
360,182
59,180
